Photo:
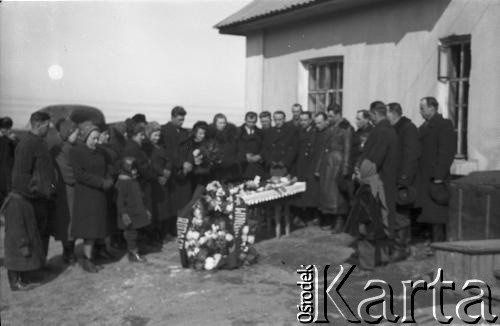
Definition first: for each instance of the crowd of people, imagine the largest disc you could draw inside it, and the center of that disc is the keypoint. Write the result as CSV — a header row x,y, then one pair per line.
x,y
124,183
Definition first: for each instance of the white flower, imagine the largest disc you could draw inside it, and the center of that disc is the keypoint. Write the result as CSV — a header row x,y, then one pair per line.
x,y
244,238
202,240
213,186
245,230
217,258
220,192
197,213
251,239
215,228
229,237
196,235
196,152
229,207
221,234
210,263
196,250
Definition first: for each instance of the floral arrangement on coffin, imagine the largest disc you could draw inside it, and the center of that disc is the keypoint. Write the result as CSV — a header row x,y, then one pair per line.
x,y
216,238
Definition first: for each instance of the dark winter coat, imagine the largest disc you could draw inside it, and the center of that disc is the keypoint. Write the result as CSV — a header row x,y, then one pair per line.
x,y
130,200
366,210
202,173
358,142
333,163
409,151
90,213
147,174
280,146
7,148
179,185
33,174
305,167
22,244
250,144
438,141
59,222
382,148
160,200
227,167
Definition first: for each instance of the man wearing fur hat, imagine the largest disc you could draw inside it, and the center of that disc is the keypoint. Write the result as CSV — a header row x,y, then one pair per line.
x,y
26,209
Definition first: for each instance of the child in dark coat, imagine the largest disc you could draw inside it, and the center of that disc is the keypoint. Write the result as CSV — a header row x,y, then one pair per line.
x,y
131,209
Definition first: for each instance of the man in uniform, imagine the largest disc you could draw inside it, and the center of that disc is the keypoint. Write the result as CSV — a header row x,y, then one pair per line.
x,y
364,127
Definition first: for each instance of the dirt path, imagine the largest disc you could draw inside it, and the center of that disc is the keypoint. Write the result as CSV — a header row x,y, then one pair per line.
x,y
163,293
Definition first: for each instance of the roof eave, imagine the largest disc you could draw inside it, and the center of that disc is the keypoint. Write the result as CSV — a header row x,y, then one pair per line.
x,y
280,18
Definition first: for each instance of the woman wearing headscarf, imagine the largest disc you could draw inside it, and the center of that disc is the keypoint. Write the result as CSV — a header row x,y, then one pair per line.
x,y
90,220
225,135
368,219
162,166
60,221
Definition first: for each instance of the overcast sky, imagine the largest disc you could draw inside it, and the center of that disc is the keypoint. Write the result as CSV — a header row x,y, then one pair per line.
x,y
123,57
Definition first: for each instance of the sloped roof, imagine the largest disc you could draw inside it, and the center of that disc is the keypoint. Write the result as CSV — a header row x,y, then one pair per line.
x,y
263,8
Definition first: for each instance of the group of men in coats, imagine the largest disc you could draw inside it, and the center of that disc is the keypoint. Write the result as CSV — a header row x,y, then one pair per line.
x,y
322,149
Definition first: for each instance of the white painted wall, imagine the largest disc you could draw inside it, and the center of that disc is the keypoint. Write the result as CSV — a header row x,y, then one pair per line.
x,y
123,57
390,54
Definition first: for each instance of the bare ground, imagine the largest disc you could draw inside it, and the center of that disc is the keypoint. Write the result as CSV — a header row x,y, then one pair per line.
x,y
163,293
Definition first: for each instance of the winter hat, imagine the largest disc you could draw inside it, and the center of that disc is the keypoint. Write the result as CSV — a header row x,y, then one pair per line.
x,y
121,127
152,127
65,127
86,129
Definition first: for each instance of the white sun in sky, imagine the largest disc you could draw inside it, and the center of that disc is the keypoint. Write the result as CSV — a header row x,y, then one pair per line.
x,y
56,72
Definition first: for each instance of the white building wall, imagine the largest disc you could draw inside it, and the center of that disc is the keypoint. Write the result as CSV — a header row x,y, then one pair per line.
x,y
390,54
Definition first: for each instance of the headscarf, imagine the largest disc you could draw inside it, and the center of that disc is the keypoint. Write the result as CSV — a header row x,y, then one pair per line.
x,y
152,127
369,176
86,129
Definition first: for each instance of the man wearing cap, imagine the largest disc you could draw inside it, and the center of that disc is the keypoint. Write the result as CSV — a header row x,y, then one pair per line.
x,y
26,209
409,153
439,146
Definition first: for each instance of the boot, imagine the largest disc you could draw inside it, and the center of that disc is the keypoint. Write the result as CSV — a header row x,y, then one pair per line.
x,y
339,225
134,257
400,250
68,255
101,252
16,283
88,265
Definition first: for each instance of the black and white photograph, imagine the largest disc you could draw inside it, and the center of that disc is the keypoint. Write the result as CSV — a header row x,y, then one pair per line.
x,y
250,162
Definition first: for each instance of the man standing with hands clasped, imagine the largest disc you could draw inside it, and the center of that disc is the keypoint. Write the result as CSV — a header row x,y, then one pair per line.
x,y
439,145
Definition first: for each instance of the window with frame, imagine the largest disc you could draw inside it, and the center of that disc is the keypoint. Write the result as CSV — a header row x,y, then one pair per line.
x,y
454,70
325,84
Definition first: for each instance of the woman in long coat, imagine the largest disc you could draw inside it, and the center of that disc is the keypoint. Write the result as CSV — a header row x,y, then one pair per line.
x,y
333,164
90,220
160,162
